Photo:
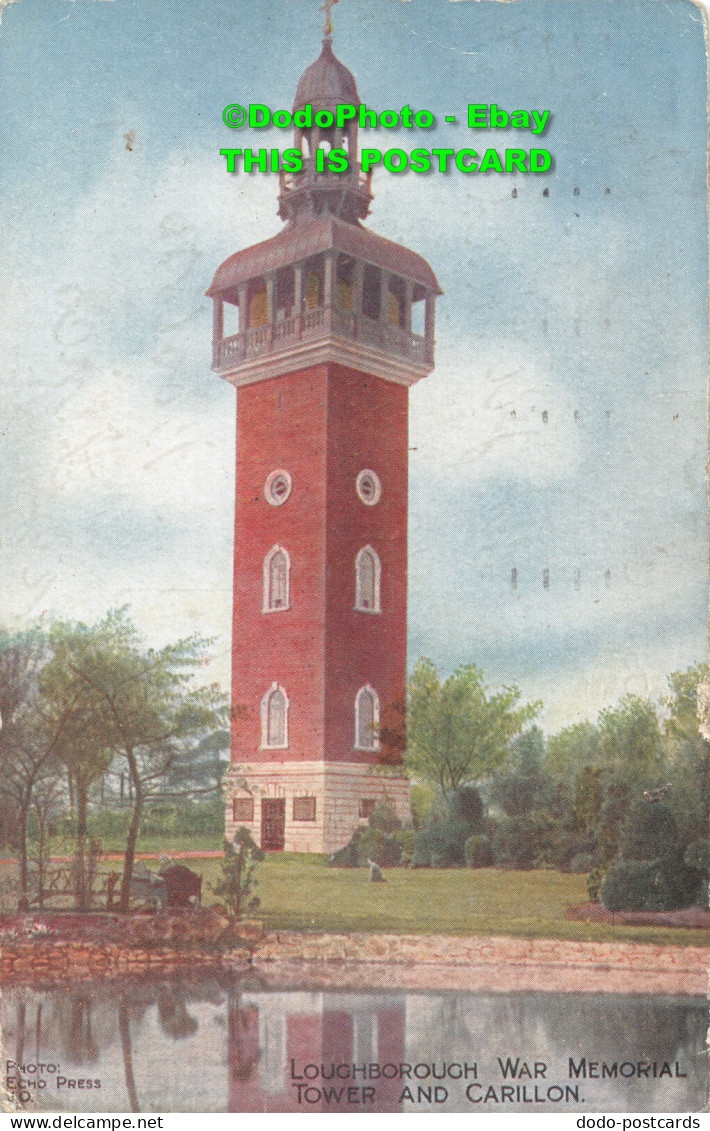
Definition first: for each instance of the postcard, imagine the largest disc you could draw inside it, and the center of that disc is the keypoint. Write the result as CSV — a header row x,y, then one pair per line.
x,y
353,669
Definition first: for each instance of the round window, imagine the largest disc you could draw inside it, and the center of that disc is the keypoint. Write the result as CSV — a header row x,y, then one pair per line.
x,y
277,487
368,487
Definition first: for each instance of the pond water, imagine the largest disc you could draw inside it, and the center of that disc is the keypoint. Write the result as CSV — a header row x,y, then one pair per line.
x,y
218,1044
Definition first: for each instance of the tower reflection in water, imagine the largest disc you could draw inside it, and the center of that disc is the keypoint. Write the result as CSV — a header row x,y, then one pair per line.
x,y
269,1048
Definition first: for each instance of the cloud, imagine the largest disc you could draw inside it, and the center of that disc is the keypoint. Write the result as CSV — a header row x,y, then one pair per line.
x,y
110,438
493,413
122,273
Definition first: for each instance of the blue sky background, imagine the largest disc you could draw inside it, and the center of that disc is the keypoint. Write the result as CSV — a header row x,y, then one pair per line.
x,y
118,441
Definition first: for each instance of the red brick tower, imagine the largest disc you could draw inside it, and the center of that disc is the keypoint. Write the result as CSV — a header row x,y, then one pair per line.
x,y
322,361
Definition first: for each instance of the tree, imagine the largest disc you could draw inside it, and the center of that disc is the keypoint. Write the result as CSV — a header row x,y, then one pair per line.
x,y
649,831
84,744
688,753
588,797
458,730
575,747
522,786
631,740
200,771
683,723
29,740
237,884
46,804
142,705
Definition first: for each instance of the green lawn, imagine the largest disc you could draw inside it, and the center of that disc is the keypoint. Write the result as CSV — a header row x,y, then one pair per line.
x,y
300,893
204,843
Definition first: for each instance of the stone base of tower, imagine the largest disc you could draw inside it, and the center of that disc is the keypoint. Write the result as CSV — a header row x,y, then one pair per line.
x,y
308,806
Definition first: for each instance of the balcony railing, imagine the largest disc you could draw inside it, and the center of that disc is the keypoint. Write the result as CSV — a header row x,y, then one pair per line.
x,y
321,322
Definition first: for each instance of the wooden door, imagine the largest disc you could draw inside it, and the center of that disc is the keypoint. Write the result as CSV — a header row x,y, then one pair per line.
x,y
273,824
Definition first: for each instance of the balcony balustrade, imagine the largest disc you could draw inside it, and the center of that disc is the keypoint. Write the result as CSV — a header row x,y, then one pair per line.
x,y
320,323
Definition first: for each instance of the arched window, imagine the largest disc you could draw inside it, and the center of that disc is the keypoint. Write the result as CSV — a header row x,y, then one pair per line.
x,y
367,581
274,718
277,569
367,718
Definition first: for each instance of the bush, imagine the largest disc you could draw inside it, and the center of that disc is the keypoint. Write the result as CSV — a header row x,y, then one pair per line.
x,y
441,843
237,883
405,839
530,841
368,844
176,821
348,856
583,862
518,793
478,852
422,801
613,814
697,856
595,880
378,846
384,819
649,832
649,885
466,806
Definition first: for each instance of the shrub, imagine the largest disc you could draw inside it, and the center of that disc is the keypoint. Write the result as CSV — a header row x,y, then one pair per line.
x,y
378,846
384,819
478,852
588,796
649,885
441,841
697,856
421,857
466,806
530,841
649,832
583,862
518,793
405,839
574,852
368,844
613,814
347,857
685,883
595,880
236,886
422,801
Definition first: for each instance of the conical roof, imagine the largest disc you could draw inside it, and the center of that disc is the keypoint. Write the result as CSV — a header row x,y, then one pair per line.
x,y
327,83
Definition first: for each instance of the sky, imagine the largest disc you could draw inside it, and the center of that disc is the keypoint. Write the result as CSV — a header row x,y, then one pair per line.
x,y
117,473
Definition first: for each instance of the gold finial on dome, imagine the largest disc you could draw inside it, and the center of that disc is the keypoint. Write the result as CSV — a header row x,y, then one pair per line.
x,y
328,9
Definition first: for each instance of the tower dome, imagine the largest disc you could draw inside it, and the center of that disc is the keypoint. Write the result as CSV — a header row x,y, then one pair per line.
x,y
314,189
327,83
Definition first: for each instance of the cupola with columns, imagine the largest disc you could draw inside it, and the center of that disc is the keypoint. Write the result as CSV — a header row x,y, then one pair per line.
x,y
325,286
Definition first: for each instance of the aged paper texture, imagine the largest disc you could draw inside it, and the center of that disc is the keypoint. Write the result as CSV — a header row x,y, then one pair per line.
x,y
429,658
